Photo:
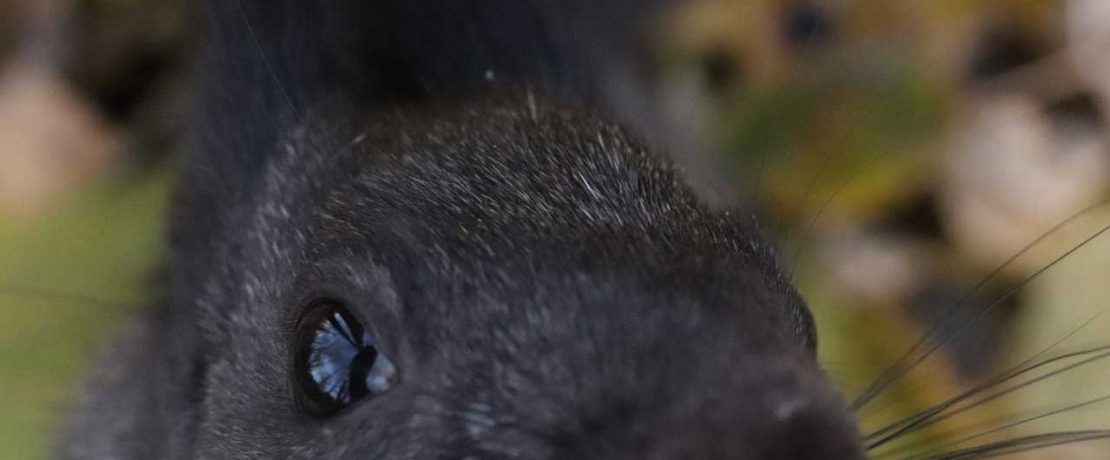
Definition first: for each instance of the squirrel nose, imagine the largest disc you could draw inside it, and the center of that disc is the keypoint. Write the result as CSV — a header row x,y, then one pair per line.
x,y
767,426
805,428
794,417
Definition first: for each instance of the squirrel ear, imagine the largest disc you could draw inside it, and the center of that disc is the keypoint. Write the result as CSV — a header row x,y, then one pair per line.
x,y
262,60
247,94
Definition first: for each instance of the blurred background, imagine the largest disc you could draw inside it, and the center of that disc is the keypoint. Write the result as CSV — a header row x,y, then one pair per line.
x,y
907,153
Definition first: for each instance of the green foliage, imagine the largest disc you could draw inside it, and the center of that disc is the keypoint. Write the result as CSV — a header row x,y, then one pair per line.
x,y
99,247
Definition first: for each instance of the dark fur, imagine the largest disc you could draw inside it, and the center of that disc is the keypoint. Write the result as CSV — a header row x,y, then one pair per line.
x,y
548,289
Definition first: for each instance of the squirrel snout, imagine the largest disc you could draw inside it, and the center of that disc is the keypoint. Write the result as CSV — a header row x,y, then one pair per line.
x,y
799,428
805,429
789,414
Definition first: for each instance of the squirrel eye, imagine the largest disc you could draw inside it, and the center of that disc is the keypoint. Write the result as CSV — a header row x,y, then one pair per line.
x,y
336,361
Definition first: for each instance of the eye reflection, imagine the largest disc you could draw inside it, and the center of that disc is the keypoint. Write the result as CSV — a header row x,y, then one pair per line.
x,y
337,361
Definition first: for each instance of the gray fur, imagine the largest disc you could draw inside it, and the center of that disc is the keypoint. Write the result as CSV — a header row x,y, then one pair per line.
x,y
547,288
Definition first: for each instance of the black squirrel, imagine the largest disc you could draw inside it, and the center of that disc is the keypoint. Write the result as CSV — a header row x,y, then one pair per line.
x,y
412,229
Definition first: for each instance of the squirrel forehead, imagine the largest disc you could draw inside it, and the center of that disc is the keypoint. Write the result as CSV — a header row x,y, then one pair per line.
x,y
556,175
501,203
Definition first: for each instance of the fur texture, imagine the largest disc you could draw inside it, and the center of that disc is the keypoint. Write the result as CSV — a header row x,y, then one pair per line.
x,y
547,287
